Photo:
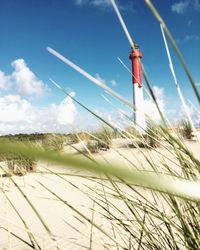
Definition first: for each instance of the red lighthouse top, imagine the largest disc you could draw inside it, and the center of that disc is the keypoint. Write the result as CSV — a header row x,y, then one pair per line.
x,y
135,57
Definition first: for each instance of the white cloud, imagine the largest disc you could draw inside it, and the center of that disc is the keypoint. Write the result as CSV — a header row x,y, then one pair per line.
x,y
4,81
178,114
158,92
65,112
14,109
180,7
26,82
195,115
18,115
188,38
80,2
113,83
98,3
114,118
103,4
149,106
183,6
196,5
118,118
98,77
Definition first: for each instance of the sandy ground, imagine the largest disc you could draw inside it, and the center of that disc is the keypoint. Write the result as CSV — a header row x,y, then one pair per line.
x,y
70,230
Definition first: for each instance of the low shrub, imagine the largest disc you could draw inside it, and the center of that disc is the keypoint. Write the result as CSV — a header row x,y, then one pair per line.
x,y
18,165
152,137
93,146
105,136
131,131
186,129
72,138
53,142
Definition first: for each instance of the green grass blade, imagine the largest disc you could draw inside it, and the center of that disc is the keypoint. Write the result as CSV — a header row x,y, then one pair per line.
x,y
159,182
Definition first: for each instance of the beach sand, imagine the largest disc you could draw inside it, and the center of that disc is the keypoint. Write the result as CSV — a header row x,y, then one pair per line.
x,y
65,228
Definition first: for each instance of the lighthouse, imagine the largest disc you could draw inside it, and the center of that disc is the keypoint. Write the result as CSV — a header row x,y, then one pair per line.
x,y
138,100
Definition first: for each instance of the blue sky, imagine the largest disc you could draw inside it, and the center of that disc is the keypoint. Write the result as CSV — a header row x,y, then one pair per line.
x,y
89,34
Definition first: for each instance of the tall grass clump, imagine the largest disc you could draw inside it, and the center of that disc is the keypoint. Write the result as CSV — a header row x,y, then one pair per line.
x,y
186,129
105,136
53,142
100,140
131,131
153,136
72,138
18,165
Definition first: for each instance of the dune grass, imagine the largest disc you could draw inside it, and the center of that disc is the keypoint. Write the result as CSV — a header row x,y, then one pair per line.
x,y
152,208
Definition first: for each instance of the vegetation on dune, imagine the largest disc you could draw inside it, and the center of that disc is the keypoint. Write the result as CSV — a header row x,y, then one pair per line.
x,y
20,165
151,204
53,142
153,136
105,136
186,129
131,130
99,140
140,214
